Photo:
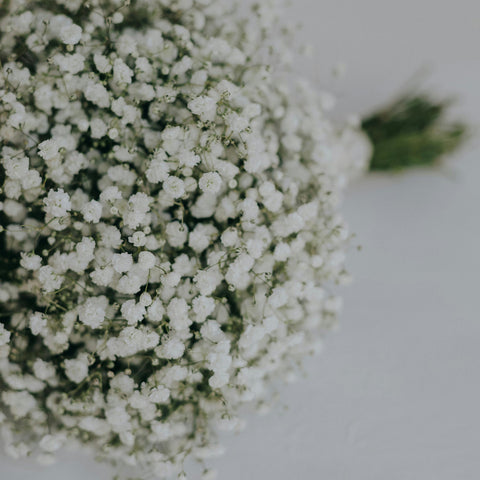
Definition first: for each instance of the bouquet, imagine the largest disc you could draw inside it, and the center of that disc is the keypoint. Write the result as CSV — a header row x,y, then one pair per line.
x,y
169,224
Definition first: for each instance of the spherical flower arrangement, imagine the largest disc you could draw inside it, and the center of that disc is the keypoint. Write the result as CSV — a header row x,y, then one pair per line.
x,y
169,224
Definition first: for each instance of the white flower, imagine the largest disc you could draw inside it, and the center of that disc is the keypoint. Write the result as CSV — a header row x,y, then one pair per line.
x,y
98,128
138,239
44,370
110,236
203,306
52,443
49,280
177,312
188,158
118,419
146,260
162,432
176,234
122,262
122,74
129,284
77,369
250,209
172,349
20,403
212,331
157,170
48,149
229,237
37,323
70,63
174,186
32,179
4,335
92,211
97,94
16,168
102,63
131,341
156,311
102,276
138,207
204,106
278,298
71,34
57,203
31,262
207,281
201,237
110,194
237,274
145,299
92,312
159,394
282,252
210,182
133,312
219,380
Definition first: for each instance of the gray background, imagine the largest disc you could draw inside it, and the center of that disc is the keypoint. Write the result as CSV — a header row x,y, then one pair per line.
x,y
396,393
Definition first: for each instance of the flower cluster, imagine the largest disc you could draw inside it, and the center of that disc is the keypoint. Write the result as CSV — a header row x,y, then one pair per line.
x,y
169,224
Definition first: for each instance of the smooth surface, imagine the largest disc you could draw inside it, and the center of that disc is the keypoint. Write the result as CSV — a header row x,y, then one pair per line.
x,y
396,393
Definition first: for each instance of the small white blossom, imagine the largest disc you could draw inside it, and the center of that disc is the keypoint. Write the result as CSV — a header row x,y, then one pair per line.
x,y
122,74
146,260
77,369
97,94
176,233
177,312
102,276
159,394
174,187
71,34
145,299
37,323
4,335
70,63
102,63
133,312
20,403
92,312
49,280
203,306
31,262
230,237
44,370
172,349
122,262
98,128
204,106
210,182
156,311
52,443
57,203
48,149
138,239
92,211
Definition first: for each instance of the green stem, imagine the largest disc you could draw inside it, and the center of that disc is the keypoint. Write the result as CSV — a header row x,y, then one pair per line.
x,y
412,131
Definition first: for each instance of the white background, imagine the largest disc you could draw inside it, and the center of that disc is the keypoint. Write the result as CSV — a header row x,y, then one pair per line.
x,y
396,394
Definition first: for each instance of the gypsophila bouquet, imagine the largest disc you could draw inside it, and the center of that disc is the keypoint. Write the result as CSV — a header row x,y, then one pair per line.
x,y
169,224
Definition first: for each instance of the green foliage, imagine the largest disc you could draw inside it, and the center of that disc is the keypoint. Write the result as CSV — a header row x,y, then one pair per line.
x,y
412,131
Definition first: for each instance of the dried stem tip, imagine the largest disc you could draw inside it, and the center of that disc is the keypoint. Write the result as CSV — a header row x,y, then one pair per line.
x,y
412,131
